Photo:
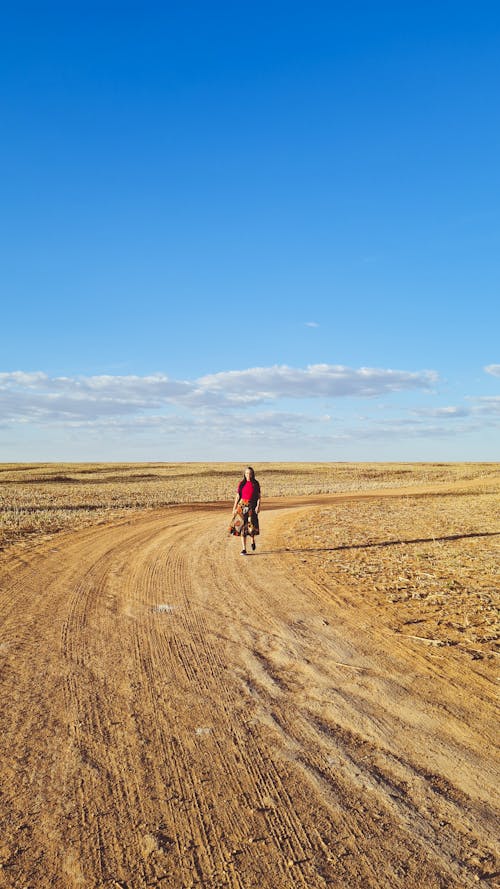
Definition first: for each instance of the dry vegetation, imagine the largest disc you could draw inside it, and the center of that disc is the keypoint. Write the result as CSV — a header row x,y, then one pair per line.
x,y
430,565
43,498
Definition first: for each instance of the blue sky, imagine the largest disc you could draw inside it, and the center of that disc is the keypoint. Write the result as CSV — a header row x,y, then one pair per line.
x,y
264,231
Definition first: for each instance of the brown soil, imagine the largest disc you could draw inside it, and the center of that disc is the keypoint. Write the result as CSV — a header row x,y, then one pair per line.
x,y
320,713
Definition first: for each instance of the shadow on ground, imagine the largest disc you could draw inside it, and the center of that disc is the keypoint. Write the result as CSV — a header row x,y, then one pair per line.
x,y
399,542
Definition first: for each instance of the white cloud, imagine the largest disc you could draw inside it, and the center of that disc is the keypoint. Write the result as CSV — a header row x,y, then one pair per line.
x,y
403,429
493,369
311,324
443,412
216,413
317,380
488,404
275,425
37,397
20,378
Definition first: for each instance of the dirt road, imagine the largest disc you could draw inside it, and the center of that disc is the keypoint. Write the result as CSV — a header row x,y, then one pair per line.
x,y
176,715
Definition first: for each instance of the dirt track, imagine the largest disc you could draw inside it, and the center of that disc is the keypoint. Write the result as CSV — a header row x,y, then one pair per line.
x,y
175,715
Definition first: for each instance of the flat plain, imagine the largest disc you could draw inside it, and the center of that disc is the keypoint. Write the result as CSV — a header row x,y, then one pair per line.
x,y
320,713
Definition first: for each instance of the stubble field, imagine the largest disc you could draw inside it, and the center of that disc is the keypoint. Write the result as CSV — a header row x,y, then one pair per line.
x,y
321,713
43,498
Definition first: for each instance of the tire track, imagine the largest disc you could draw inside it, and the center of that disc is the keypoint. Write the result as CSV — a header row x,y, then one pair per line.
x,y
202,719
449,804
229,747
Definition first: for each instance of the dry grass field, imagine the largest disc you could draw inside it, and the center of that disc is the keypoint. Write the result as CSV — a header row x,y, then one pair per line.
x,y
322,713
430,566
43,498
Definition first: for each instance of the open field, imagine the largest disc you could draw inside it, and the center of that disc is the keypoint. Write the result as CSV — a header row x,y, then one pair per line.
x,y
321,713
42,498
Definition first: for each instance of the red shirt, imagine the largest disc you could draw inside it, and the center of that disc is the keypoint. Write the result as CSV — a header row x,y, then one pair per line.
x,y
247,491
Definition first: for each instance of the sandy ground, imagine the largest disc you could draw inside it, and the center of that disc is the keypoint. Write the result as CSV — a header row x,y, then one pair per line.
x,y
176,715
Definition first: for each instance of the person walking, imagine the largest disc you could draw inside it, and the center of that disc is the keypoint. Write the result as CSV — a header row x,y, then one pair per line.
x,y
245,519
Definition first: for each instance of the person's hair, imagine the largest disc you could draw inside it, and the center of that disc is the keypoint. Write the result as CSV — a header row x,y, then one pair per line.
x,y
252,475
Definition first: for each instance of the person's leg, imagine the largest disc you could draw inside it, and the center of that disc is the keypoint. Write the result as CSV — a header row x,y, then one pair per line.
x,y
244,531
254,527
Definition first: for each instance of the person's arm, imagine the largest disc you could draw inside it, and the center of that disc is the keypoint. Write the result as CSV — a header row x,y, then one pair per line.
x,y
257,505
236,501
